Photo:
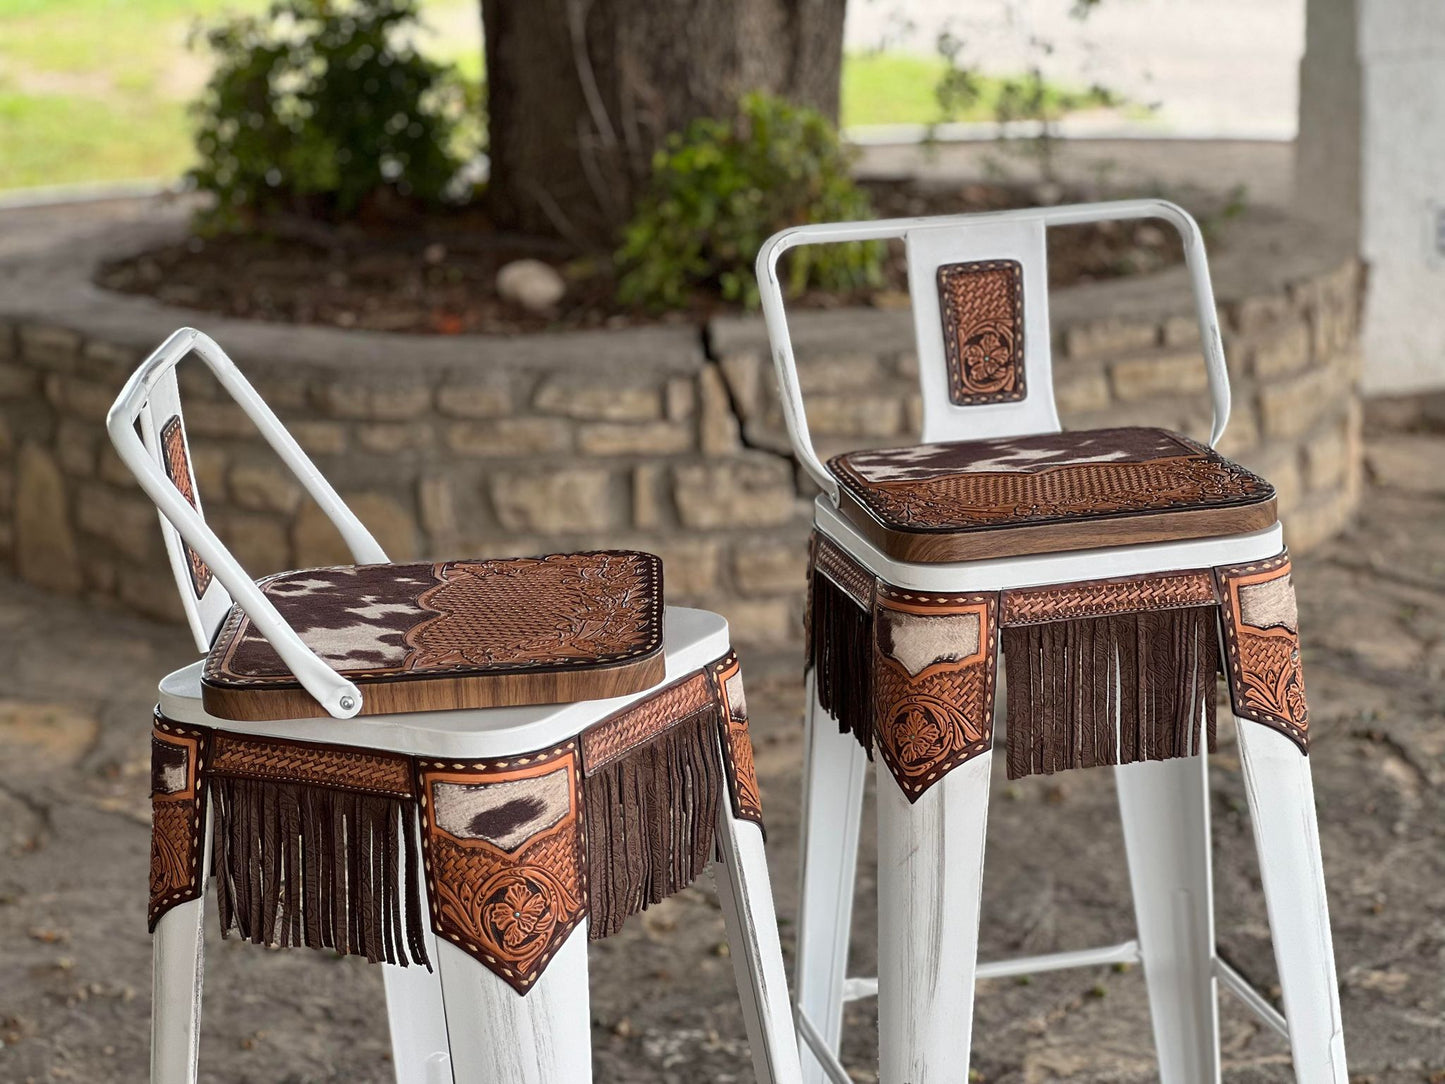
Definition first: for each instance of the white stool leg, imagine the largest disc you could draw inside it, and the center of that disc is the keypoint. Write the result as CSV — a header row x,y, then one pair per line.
x,y
1286,834
415,1014
746,896
177,965
930,881
834,772
1164,805
498,1036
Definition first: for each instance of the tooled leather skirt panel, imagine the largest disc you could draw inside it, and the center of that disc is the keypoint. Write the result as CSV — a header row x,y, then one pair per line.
x,y
317,845
1102,672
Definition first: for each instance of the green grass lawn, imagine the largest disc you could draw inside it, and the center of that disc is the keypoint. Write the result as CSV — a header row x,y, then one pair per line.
x,y
96,90
899,88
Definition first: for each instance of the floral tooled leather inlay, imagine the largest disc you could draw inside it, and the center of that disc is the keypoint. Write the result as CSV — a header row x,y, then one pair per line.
x,y
737,743
1024,481
981,304
504,850
177,816
177,462
935,659
1261,636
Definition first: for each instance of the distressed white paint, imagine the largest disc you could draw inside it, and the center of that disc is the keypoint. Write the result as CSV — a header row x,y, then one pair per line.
x,y
178,953
746,897
834,771
930,882
499,1037
1286,833
1164,806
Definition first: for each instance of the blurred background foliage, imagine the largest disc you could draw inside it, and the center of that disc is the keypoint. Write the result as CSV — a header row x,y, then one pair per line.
x,y
94,91
327,110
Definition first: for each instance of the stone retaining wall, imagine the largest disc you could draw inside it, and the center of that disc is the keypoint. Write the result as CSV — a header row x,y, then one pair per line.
x,y
661,438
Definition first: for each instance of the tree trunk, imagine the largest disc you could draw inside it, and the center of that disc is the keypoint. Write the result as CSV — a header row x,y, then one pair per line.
x,y
582,92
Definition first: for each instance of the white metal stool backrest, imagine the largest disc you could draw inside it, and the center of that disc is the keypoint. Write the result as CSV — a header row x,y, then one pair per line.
x,y
1007,247
148,431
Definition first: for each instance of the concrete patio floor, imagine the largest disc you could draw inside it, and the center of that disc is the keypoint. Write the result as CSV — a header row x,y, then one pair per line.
x,y
75,958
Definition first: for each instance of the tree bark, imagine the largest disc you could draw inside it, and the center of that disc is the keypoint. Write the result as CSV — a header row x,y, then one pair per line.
x,y
581,93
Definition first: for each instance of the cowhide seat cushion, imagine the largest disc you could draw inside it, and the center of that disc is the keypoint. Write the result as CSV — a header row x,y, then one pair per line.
x,y
1053,491
453,634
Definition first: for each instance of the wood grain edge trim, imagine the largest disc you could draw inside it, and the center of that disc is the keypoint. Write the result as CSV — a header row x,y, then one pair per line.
x,y
936,547
446,693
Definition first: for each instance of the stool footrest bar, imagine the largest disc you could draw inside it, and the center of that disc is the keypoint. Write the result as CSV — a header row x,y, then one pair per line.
x,y
1126,952
832,1067
1241,988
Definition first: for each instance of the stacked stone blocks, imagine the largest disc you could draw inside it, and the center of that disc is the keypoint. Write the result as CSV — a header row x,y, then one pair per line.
x,y
664,444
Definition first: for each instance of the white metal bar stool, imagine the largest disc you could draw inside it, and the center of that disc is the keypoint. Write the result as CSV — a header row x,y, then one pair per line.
x,y
1114,568
460,769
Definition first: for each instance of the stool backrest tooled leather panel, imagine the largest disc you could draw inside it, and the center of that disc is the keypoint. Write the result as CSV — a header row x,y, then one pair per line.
x,y
981,324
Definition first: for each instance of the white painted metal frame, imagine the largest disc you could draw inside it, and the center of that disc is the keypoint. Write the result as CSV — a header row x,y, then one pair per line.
x,y
149,398
931,852
461,1023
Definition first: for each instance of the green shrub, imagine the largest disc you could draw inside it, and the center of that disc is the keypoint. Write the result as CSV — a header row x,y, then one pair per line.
x,y
321,107
720,188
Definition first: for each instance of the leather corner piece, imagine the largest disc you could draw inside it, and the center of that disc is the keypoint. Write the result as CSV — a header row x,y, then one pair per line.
x,y
1261,640
178,816
981,304
935,661
504,852
737,744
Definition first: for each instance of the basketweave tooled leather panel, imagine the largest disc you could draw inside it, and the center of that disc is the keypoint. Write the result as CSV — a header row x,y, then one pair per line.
x,y
737,743
1043,478
935,658
176,460
339,767
852,579
1261,640
982,307
177,816
505,857
455,618
643,721
1100,598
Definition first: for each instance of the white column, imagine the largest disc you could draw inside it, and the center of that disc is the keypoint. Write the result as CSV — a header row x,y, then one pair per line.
x,y
1371,163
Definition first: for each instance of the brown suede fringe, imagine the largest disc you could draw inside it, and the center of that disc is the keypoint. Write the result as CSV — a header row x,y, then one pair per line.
x,y
650,815
1062,703
840,651
304,864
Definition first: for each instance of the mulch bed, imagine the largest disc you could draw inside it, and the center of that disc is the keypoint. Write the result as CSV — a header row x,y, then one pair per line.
x,y
437,275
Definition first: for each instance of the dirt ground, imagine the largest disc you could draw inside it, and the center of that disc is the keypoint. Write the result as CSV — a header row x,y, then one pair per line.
x,y
75,696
